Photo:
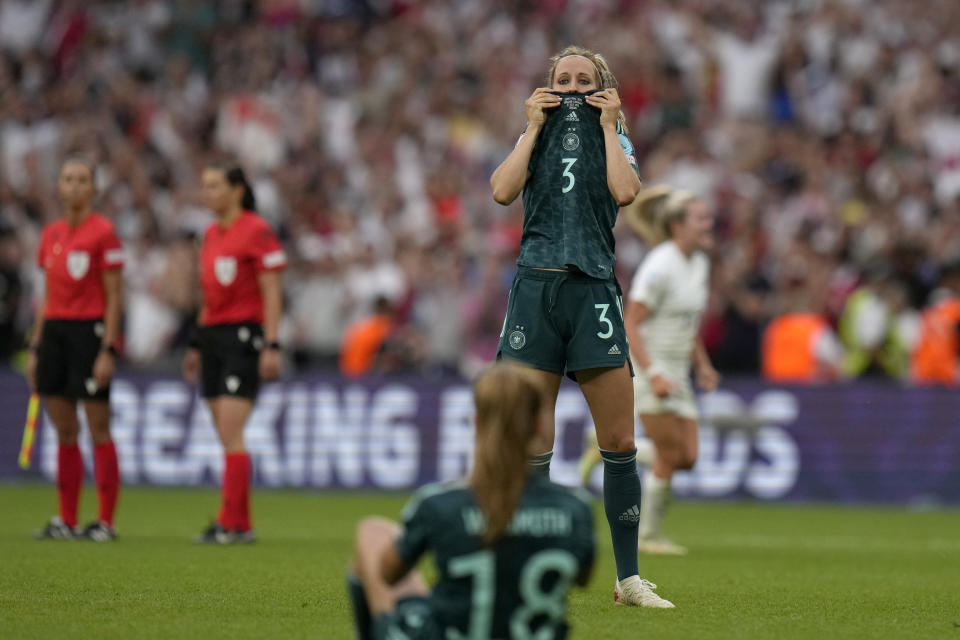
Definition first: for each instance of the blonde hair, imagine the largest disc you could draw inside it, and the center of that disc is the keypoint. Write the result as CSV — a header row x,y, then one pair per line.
x,y
605,77
654,211
509,401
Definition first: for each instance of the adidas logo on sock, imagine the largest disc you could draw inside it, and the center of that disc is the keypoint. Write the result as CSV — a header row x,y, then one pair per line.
x,y
631,515
572,117
614,351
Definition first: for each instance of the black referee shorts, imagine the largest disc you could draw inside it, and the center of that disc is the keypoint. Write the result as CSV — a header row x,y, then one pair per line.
x,y
65,357
230,359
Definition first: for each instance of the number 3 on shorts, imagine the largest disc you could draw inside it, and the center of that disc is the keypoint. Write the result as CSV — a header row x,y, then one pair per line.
x,y
604,320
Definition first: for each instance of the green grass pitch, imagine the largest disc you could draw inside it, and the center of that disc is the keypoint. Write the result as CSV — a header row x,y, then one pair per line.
x,y
755,571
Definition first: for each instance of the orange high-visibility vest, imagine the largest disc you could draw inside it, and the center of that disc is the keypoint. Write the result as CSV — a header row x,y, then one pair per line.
x,y
788,347
361,344
934,360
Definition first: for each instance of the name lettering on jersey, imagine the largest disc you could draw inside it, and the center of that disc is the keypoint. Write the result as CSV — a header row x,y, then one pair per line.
x,y
538,523
225,269
275,259
572,102
78,264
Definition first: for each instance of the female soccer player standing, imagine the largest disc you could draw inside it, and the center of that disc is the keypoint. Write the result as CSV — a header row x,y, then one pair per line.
x,y
72,346
236,343
508,543
667,298
575,167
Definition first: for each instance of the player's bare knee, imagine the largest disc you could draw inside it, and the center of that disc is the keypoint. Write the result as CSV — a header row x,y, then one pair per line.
x,y
375,531
685,461
100,432
619,443
67,430
66,438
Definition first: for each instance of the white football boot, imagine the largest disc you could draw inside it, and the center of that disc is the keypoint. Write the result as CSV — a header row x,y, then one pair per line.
x,y
637,592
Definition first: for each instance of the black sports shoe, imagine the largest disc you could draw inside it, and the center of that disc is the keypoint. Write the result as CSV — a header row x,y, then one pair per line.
x,y
244,537
215,534
99,531
57,529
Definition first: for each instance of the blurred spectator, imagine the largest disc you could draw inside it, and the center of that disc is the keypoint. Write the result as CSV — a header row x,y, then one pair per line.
x,y
799,346
364,340
319,304
935,360
875,327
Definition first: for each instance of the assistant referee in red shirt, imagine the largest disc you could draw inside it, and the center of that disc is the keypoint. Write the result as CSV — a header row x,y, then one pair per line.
x,y
72,346
236,345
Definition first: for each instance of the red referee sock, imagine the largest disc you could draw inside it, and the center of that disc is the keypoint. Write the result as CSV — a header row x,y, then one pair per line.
x,y
69,481
107,473
235,505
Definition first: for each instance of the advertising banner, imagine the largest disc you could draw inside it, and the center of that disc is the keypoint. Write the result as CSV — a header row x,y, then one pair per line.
x,y
864,442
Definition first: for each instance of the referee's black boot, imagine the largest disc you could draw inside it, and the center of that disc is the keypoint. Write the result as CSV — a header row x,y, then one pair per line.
x,y
215,534
57,529
99,531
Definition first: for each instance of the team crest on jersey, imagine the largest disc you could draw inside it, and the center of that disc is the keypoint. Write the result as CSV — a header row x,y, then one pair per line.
x,y
78,264
517,339
571,142
225,269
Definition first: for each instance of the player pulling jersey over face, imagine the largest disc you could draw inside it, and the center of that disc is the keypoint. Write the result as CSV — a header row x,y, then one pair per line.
x,y
568,210
564,313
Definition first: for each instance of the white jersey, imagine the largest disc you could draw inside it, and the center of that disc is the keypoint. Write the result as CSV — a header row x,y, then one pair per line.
x,y
674,288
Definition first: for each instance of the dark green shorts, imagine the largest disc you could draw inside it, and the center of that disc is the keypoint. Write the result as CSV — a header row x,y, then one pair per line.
x,y
563,322
411,620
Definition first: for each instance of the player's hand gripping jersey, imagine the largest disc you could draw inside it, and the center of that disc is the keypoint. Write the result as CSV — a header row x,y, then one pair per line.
x,y
568,210
517,587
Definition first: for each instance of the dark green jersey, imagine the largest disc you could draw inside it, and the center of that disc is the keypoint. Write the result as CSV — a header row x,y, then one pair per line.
x,y
568,210
515,589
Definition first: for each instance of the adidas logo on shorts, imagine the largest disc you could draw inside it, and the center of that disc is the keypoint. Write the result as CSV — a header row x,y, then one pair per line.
x,y
631,515
614,351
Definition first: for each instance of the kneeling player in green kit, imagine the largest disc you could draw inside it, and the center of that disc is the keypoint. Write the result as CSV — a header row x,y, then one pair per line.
x,y
508,544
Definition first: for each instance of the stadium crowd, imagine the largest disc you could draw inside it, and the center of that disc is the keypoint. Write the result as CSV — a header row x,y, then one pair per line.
x,y
826,137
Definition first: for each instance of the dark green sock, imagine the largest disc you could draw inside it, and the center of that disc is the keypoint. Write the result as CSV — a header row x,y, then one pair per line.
x,y
539,464
621,502
361,610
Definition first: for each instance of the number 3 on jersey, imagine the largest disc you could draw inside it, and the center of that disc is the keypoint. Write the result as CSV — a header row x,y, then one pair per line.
x,y
571,180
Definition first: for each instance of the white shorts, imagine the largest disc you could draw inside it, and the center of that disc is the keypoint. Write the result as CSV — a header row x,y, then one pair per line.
x,y
681,401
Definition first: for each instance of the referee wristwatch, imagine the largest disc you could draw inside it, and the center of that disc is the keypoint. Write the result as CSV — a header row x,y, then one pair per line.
x,y
274,345
109,348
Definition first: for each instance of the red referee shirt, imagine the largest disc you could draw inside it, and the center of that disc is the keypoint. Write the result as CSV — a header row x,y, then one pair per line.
x,y
229,263
74,260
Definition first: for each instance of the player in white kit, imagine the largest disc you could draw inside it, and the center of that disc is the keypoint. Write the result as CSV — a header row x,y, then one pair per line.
x,y
662,317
